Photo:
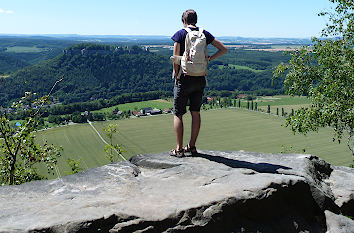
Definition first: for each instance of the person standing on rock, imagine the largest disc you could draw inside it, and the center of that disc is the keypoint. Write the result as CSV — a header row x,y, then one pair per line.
x,y
190,62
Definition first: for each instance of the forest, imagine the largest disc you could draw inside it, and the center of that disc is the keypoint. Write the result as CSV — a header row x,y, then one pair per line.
x,y
101,71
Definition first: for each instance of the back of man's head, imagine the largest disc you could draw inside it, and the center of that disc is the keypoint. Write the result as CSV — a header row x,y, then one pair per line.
x,y
190,17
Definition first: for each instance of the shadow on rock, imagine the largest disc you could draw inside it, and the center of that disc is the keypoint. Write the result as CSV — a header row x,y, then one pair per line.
x,y
258,167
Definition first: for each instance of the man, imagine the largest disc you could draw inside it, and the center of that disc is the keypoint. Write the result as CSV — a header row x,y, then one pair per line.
x,y
189,87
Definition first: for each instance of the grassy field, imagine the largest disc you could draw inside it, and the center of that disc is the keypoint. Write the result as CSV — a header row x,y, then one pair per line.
x,y
241,68
160,104
226,129
281,100
25,49
286,47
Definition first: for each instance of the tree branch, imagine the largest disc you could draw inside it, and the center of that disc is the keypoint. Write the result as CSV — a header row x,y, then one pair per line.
x,y
5,139
49,94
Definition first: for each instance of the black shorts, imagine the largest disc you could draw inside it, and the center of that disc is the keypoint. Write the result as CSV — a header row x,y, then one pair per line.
x,y
188,88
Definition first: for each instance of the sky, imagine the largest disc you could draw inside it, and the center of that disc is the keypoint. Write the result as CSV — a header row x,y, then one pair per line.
x,y
245,18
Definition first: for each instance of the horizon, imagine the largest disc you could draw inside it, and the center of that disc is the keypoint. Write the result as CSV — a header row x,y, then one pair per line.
x,y
137,35
251,19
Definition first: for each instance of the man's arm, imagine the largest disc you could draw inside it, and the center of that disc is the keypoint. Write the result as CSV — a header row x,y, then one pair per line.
x,y
221,49
176,50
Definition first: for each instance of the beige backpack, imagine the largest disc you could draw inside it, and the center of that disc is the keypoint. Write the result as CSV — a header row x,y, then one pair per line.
x,y
194,61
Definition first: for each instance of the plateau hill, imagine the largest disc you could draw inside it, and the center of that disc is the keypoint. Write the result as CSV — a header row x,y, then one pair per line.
x,y
94,71
91,72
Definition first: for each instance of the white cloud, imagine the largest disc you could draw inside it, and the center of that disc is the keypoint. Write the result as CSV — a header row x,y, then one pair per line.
x,y
2,11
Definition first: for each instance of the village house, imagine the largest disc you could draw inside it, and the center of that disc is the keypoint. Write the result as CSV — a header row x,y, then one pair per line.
x,y
155,111
167,110
211,99
241,96
147,110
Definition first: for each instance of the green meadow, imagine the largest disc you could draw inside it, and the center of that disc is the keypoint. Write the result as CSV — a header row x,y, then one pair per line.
x,y
223,129
160,104
240,68
25,49
282,100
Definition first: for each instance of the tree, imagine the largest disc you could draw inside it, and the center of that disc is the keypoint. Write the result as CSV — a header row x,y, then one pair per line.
x,y
19,154
324,73
74,166
110,148
78,118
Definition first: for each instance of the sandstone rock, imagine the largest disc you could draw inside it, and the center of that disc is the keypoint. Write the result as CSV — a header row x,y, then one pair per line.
x,y
211,192
341,183
338,223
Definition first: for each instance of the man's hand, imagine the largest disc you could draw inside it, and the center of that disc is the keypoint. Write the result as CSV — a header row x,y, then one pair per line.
x,y
221,49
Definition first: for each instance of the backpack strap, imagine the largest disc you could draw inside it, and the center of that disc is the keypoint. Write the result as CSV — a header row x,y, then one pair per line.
x,y
200,31
188,29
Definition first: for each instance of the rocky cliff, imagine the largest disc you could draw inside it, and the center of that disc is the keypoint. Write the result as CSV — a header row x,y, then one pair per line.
x,y
211,192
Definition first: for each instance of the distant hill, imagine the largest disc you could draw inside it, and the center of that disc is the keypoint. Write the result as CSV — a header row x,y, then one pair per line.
x,y
17,52
91,71
94,71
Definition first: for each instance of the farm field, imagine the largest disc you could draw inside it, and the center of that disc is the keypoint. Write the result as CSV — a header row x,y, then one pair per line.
x,y
281,100
25,49
287,108
241,68
224,130
160,104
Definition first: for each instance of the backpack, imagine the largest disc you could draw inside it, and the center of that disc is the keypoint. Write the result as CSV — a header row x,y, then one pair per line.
x,y
194,61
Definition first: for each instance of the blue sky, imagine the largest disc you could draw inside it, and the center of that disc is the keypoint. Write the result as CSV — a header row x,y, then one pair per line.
x,y
246,18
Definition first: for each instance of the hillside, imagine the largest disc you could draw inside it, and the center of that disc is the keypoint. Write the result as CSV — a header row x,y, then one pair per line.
x,y
9,63
100,72
93,71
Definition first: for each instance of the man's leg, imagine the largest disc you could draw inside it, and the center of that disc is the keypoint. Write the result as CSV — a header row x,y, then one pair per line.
x,y
178,126
196,120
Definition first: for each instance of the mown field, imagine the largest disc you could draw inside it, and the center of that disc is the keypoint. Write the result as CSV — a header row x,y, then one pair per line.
x,y
160,104
224,129
240,67
25,49
283,101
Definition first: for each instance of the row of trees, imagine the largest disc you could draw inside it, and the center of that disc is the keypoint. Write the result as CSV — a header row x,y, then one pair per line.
x,y
78,117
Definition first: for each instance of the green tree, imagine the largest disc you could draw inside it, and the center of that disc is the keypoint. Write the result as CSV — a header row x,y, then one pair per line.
x,y
19,154
113,151
74,166
324,73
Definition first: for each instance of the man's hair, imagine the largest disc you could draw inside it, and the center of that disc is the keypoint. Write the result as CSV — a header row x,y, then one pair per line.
x,y
190,17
